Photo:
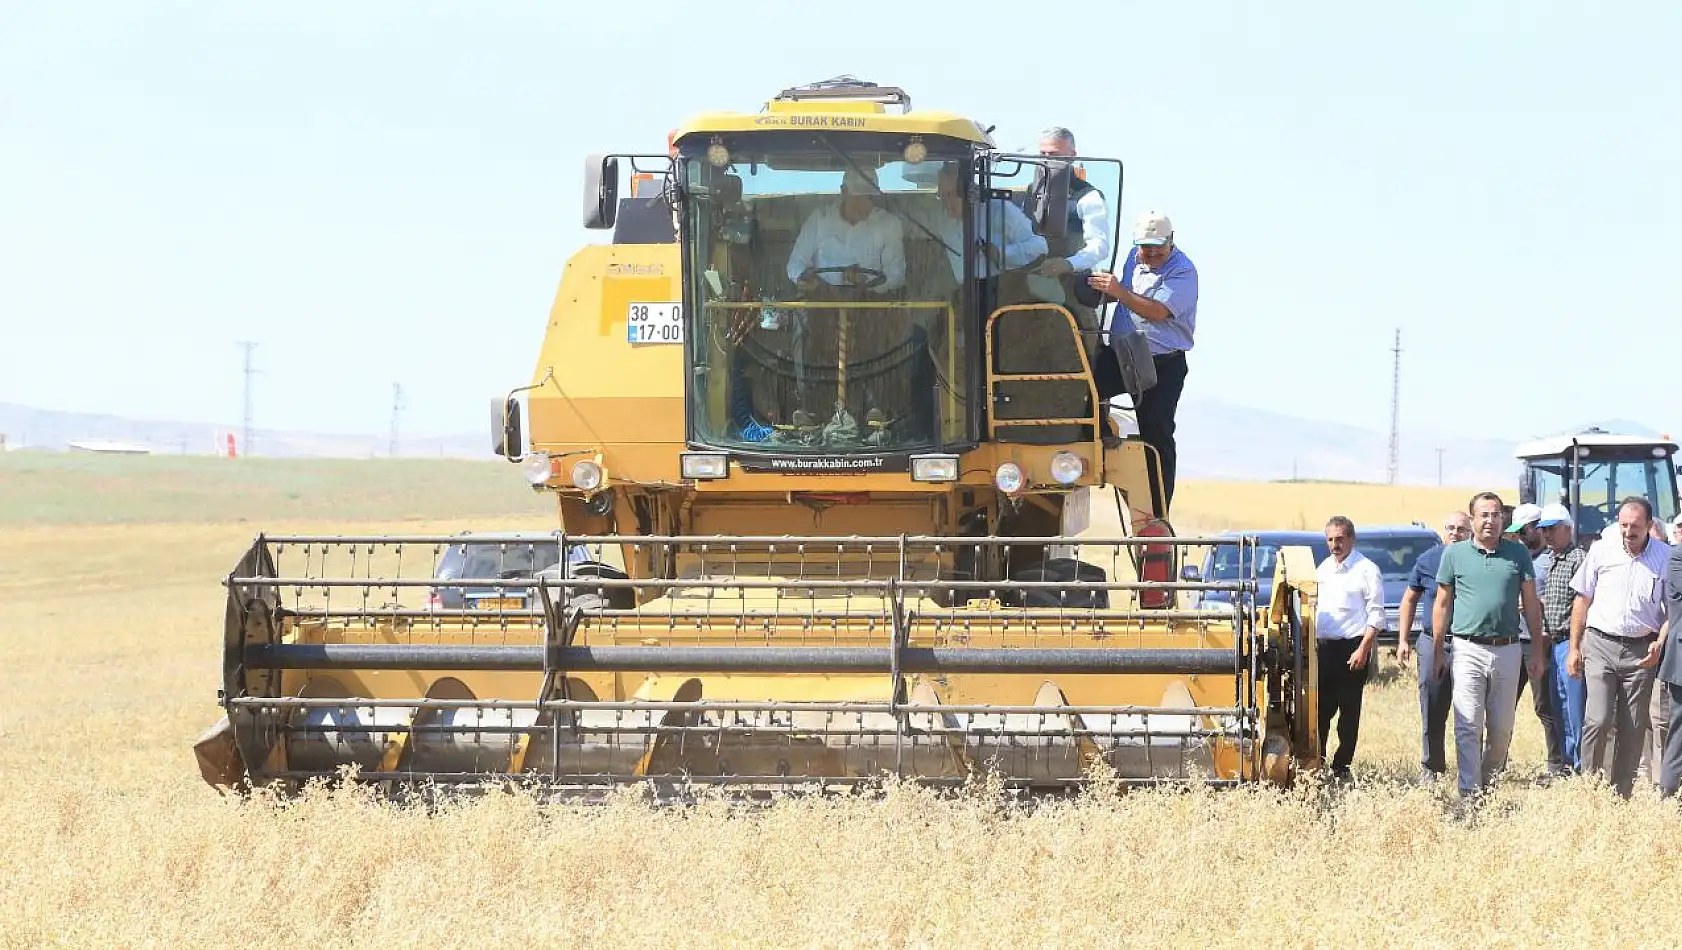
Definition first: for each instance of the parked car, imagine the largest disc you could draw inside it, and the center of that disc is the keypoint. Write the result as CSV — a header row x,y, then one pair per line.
x,y
1221,563
518,560
1394,548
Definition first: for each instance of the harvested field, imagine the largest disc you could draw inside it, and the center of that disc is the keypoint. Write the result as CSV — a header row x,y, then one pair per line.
x,y
110,652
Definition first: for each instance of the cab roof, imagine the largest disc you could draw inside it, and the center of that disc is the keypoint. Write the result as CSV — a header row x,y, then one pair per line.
x,y
841,104
1557,445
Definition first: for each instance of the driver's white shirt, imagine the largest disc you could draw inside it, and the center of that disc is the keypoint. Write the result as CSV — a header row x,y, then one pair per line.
x,y
828,240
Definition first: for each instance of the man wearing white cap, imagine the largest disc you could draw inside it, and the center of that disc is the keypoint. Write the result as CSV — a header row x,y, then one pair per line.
x,y
1676,530
851,242
1528,526
1554,570
1157,290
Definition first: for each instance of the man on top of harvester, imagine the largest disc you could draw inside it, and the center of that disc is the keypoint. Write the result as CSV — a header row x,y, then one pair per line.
x,y
1085,245
851,243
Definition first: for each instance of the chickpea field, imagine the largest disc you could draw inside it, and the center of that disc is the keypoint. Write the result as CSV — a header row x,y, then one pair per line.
x,y
110,639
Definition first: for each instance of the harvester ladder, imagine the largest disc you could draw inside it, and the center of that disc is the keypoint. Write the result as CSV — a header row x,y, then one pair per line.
x,y
994,377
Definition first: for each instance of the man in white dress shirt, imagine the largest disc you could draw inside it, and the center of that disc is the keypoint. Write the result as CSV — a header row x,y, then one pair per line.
x,y
1349,617
849,243
1615,647
1086,244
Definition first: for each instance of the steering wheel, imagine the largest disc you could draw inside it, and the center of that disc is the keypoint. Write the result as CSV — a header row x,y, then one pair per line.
x,y
873,278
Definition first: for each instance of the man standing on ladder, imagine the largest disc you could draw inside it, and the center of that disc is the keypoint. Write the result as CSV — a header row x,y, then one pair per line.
x,y
1157,290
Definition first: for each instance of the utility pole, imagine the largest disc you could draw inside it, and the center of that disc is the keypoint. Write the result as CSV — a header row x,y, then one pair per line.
x,y
396,410
1439,467
250,371
1395,410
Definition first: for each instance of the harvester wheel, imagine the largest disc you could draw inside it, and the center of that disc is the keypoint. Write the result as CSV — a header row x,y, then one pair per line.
x,y
1060,569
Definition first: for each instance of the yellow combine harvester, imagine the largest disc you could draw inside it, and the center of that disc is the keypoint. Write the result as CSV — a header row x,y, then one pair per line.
x,y
831,508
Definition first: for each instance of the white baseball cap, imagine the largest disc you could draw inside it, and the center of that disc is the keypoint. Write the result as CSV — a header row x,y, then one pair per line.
x,y
1552,515
1523,516
1677,521
1153,227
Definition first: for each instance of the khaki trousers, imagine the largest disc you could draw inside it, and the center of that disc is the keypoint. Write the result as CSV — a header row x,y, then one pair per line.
x,y
1618,694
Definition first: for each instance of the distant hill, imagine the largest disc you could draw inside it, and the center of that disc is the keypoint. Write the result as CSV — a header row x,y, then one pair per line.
x,y
25,426
1217,440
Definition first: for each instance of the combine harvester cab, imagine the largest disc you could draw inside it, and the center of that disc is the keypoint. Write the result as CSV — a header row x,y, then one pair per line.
x,y
821,525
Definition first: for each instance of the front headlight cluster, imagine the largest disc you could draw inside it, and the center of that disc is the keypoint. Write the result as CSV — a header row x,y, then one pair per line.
x,y
540,469
1066,469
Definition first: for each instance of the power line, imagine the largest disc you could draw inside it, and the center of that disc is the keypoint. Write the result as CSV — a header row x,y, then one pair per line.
x,y
250,371
1395,410
396,411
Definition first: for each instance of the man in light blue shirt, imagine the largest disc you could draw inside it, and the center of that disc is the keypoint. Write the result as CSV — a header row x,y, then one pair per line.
x,y
1157,291
1004,237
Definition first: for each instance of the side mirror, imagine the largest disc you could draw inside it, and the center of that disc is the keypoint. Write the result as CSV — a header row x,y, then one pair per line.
x,y
601,191
1048,199
507,437
1190,572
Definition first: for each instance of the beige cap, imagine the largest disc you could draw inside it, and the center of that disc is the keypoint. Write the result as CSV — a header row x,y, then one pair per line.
x,y
1153,227
859,181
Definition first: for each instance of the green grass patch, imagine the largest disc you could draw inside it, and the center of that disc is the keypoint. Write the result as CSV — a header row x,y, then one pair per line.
x,y
41,489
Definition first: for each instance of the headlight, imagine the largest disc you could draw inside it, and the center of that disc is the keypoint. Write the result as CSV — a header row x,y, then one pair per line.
x,y
1067,468
587,475
934,468
717,155
704,466
538,468
1009,478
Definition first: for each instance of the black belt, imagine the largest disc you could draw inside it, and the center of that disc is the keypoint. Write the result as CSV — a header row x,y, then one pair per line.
x,y
1486,641
1638,638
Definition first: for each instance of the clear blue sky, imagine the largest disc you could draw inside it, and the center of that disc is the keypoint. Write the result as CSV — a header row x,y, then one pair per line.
x,y
384,192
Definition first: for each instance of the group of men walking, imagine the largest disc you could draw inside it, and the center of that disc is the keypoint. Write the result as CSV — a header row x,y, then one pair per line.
x,y
1509,602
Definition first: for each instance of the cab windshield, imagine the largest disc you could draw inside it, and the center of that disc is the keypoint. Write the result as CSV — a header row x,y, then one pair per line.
x,y
825,280
1604,482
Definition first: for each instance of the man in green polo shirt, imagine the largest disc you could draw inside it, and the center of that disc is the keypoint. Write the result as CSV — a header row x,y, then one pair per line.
x,y
1481,585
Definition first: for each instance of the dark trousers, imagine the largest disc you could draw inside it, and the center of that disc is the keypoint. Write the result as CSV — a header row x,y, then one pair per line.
x,y
1155,413
1341,689
1547,711
1436,699
1670,765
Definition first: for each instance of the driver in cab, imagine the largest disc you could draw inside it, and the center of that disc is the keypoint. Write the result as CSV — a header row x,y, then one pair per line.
x,y
851,244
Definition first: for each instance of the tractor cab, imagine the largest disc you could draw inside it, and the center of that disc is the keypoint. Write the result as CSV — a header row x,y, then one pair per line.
x,y
1593,471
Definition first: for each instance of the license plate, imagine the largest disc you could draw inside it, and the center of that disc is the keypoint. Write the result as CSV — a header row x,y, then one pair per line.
x,y
654,323
500,603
